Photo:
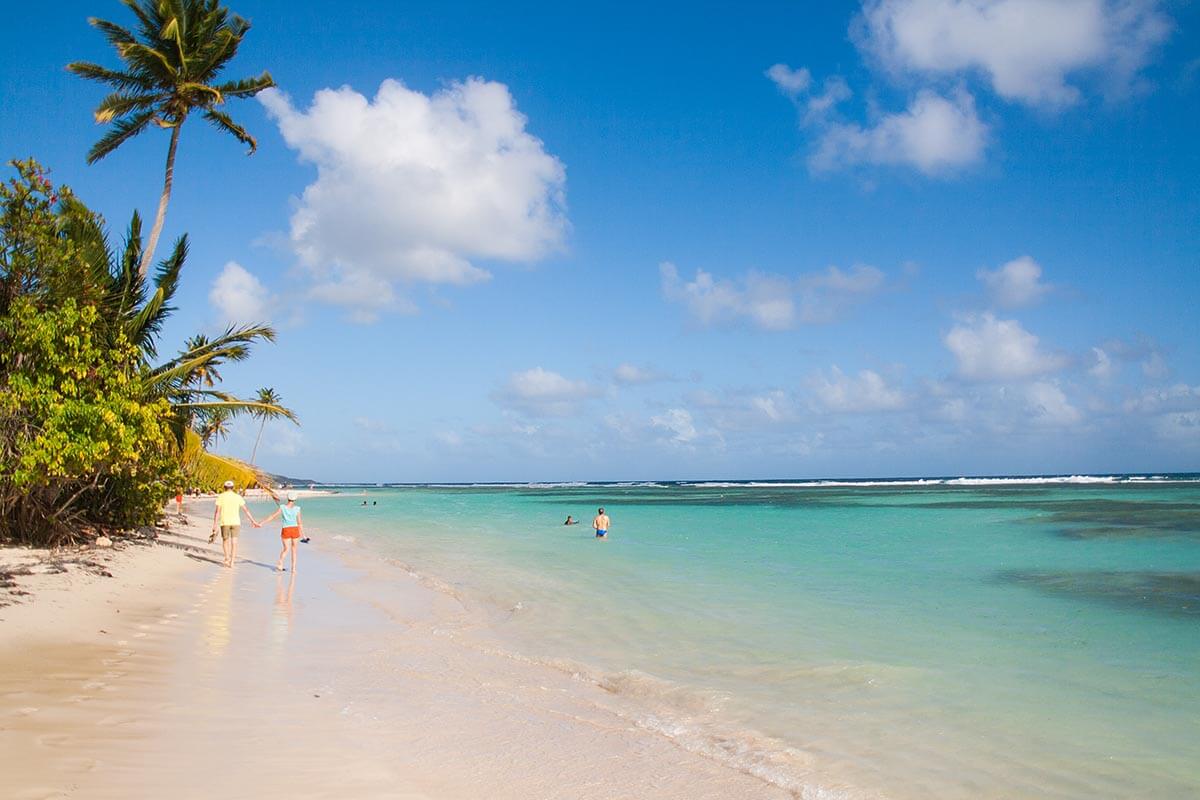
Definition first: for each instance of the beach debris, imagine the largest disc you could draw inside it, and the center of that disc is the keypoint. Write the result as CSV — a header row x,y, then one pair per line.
x,y
103,541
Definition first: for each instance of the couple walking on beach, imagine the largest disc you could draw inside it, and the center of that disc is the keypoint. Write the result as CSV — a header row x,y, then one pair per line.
x,y
227,516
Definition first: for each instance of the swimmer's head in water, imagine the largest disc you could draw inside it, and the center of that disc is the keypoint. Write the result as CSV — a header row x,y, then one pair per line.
x,y
601,511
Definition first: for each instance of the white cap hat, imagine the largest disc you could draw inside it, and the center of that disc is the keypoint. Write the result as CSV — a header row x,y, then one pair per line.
x,y
228,484
292,495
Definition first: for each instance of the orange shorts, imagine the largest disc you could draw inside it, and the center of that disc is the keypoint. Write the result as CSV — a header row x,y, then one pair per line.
x,y
292,532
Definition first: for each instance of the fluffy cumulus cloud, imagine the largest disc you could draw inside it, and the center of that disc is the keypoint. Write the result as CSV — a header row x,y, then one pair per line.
x,y
1028,50
1048,405
865,392
936,134
677,424
990,349
771,302
539,392
239,297
414,188
1015,284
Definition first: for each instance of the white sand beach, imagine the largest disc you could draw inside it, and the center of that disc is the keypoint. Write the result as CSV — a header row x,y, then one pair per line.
x,y
178,678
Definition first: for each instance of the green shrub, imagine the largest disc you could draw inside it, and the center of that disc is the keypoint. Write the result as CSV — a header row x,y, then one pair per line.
x,y
78,445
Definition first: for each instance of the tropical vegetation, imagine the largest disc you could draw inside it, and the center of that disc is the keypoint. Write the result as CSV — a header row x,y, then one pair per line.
x,y
95,428
172,61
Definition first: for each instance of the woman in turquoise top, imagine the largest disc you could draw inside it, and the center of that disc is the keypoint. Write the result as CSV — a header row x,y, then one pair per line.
x,y
293,528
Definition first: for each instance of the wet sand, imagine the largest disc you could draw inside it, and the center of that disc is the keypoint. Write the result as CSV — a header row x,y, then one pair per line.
x,y
178,678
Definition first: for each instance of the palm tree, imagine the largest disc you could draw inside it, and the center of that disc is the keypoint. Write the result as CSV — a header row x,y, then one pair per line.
x,y
139,314
205,376
214,427
171,65
268,398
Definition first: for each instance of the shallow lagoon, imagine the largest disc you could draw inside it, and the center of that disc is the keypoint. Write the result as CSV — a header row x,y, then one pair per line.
x,y
991,640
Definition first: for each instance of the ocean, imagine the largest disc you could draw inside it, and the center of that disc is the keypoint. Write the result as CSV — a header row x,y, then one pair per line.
x,y
983,638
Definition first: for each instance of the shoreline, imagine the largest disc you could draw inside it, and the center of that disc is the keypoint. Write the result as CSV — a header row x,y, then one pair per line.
x,y
340,683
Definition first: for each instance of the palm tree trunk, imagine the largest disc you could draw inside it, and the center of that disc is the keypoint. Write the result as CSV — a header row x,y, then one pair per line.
x,y
257,439
156,231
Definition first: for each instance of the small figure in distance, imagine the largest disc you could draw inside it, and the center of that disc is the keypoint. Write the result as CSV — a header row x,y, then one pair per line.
x,y
364,502
374,502
571,520
179,502
601,523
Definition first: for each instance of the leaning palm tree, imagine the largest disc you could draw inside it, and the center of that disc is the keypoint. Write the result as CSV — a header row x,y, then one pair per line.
x,y
268,398
171,66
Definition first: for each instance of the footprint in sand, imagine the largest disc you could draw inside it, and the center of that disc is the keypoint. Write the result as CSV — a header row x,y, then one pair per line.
x,y
41,793
27,710
126,653
172,616
139,635
94,685
116,720
79,764
53,739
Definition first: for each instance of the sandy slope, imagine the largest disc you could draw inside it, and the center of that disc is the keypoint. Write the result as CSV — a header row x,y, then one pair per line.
x,y
177,678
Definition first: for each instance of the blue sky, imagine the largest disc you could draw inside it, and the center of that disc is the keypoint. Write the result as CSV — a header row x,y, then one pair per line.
x,y
538,242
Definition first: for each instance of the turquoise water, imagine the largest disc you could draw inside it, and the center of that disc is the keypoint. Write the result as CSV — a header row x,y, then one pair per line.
x,y
904,640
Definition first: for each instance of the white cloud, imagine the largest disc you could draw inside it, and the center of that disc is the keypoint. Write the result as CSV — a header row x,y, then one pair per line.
x,y
1048,405
412,188
678,424
935,134
1155,366
1016,284
633,375
866,392
1141,350
1027,49
771,302
539,392
790,81
451,439
773,406
987,348
834,91
1180,397
1101,366
239,297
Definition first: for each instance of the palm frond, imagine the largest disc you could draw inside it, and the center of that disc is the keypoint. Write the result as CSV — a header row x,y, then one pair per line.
x,y
247,87
222,121
122,131
125,81
236,407
118,104
115,34
147,323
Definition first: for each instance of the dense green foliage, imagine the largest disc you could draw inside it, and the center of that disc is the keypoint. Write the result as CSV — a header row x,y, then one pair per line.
x,y
79,444
92,430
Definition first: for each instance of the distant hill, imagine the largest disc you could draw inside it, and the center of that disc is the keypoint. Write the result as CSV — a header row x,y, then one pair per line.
x,y
285,480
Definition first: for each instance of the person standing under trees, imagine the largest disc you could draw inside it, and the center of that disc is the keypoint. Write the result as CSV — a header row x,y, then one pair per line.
x,y
293,529
228,515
